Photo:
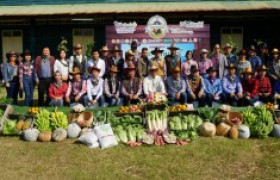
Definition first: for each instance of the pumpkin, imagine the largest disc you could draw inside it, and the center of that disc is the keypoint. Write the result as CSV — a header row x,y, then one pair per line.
x,y
222,129
85,119
233,133
207,129
59,135
30,134
19,125
45,136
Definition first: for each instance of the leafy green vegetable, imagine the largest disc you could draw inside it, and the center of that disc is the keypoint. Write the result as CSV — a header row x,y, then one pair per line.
x,y
209,115
43,120
58,120
10,128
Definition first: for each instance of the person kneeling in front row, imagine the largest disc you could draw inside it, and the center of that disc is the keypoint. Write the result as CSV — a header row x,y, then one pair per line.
x,y
112,87
57,90
95,88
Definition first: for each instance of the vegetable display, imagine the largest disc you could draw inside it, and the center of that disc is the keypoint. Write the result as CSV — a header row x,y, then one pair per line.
x,y
10,128
43,120
156,120
99,116
58,120
130,119
178,108
259,120
130,109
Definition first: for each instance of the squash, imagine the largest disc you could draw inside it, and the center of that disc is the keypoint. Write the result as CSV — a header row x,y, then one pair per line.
x,y
207,129
27,124
233,133
59,135
45,136
222,129
20,124
85,119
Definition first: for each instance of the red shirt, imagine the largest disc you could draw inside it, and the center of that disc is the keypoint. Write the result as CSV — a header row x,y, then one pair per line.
x,y
264,85
251,86
57,92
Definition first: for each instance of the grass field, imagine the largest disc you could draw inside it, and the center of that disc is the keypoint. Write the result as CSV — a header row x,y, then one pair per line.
x,y
205,158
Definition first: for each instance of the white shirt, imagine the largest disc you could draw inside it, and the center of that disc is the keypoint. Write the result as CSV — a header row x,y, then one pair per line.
x,y
94,90
100,64
63,69
153,85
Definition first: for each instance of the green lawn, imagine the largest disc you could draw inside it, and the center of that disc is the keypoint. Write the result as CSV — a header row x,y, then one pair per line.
x,y
206,158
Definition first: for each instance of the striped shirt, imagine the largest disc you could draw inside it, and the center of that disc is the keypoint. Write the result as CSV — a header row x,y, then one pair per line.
x,y
25,69
75,88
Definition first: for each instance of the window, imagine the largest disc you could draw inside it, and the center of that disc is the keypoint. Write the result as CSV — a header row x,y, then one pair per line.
x,y
11,40
233,33
83,36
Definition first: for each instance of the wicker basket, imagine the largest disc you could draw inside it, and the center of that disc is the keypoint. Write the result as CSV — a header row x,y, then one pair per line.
x,y
231,120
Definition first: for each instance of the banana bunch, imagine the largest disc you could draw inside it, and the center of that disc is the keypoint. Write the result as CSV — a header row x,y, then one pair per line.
x,y
249,117
58,120
43,120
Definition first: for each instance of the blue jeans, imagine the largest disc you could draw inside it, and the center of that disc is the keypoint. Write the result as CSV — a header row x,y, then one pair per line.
x,y
101,101
12,91
114,101
209,99
183,98
28,90
57,103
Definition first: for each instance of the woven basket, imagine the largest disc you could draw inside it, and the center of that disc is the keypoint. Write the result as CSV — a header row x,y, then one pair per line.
x,y
231,120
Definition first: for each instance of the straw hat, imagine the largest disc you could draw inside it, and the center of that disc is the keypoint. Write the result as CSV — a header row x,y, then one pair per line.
x,y
114,69
76,71
275,51
176,70
116,49
263,68
156,50
227,46
153,67
129,53
78,46
104,48
90,69
11,53
172,46
204,51
248,71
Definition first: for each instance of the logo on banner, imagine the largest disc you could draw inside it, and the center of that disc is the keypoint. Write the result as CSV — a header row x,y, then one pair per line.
x,y
125,28
156,27
191,24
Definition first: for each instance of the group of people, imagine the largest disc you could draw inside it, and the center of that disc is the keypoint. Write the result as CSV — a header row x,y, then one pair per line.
x,y
108,79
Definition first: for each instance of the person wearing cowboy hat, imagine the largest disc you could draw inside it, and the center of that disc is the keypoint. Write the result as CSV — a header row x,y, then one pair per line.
x,y
143,64
255,60
133,49
250,87
95,86
105,52
274,66
115,60
186,65
153,83
44,66
195,87
129,59
158,61
97,62
112,87
264,54
242,63
61,64
11,76
78,60
231,58
265,88
27,77
219,61
213,87
77,89
131,86
204,63
232,87
57,90
172,60
176,87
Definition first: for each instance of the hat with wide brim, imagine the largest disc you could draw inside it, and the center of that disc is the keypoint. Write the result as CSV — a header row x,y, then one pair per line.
x,y
232,66
76,71
227,46
90,69
262,68
211,69
129,53
172,46
242,52
153,67
252,48
104,49
275,51
26,53
114,69
194,69
11,53
116,49
204,51
130,67
77,46
248,71
176,70
156,50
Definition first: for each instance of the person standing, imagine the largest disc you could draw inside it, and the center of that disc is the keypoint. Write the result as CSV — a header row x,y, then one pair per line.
x,y
242,63
143,64
44,66
176,87
129,59
115,60
219,61
204,62
77,89
57,90
97,62
133,49
10,76
231,58
195,87
27,77
105,53
264,54
112,87
78,60
213,88
158,62
131,86
254,59
173,60
186,66
274,66
232,86
61,65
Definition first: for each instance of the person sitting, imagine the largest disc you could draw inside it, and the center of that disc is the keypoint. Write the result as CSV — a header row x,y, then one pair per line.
x,y
77,88
195,87
131,87
153,83
95,88
265,89
176,87
232,86
250,88
57,90
213,88
112,87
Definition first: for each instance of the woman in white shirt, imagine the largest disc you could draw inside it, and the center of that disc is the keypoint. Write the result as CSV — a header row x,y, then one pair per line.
x,y
62,65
